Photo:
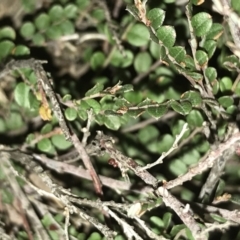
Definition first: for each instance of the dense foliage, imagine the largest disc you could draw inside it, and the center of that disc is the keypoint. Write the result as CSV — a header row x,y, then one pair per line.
x,y
119,119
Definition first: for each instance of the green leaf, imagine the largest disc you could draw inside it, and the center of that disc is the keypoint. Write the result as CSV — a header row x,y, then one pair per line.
x,y
215,31
184,107
96,89
27,30
215,86
231,109
46,128
201,58
178,167
54,32
218,218
91,103
42,21
70,114
2,127
155,50
21,50
157,111
167,35
148,134
21,95
118,60
97,60
195,76
156,16
98,14
70,11
165,143
231,62
83,4
38,39
178,53
95,236
7,196
7,32
226,101
189,63
14,121
60,142
82,114
176,229
189,234
133,11
193,97
142,62
138,35
167,218
195,118
44,145
6,48
201,23
225,84
112,122
236,5
157,221
135,112
210,74
67,27
210,47
56,13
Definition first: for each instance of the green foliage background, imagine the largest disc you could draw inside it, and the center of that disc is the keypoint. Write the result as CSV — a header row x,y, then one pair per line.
x,y
142,82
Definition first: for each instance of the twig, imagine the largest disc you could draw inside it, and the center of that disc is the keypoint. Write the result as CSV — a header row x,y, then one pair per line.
x,y
66,223
165,154
86,132
206,162
36,65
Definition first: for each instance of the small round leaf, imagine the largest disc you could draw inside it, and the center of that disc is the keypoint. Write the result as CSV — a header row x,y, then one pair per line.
x,y
119,61
42,21
167,35
7,32
156,16
97,60
38,39
71,114
226,101
21,50
211,73
27,30
21,94
184,107
44,145
56,13
60,142
70,11
138,35
54,32
67,27
202,58
225,84
6,48
195,119
142,62
202,23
